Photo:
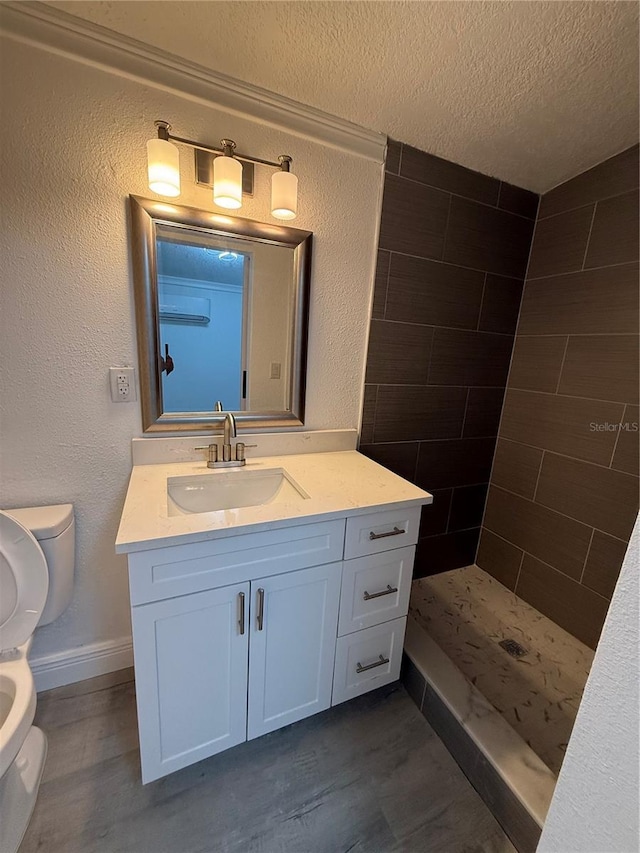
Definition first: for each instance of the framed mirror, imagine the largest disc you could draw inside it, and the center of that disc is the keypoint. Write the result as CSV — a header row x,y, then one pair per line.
x,y
221,316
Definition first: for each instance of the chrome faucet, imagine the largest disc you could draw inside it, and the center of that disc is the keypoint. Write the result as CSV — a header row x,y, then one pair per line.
x,y
229,433
232,457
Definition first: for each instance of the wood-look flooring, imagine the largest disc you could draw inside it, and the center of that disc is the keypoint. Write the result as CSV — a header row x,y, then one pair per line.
x,y
368,776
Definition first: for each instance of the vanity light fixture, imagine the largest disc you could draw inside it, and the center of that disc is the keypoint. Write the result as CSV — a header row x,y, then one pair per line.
x,y
164,173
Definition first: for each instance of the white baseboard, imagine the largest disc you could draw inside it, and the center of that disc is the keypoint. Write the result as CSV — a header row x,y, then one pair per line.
x,y
67,667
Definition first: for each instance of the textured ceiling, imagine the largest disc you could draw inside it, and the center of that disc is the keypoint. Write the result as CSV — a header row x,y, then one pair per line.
x,y
530,92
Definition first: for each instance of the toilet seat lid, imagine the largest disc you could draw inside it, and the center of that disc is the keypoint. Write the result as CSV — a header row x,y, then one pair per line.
x,y
24,583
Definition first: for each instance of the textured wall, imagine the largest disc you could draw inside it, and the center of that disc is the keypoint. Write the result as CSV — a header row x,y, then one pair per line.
x,y
530,92
564,486
595,804
453,252
72,151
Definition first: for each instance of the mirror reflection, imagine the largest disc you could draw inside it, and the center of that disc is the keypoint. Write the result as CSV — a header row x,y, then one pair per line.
x,y
221,309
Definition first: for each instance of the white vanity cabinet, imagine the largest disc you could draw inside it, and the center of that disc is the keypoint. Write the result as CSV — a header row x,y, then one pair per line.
x,y
238,636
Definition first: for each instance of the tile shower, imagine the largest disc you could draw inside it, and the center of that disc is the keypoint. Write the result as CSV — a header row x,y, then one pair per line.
x,y
502,376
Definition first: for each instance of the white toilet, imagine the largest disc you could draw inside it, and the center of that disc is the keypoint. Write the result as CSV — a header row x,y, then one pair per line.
x,y
37,549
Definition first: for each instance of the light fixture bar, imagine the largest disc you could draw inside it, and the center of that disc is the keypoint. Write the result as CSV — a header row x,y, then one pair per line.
x,y
163,133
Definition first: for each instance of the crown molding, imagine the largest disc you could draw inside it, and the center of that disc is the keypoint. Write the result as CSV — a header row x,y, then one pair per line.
x,y
64,34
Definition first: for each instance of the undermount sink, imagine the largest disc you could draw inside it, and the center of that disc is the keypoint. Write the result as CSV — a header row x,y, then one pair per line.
x,y
231,490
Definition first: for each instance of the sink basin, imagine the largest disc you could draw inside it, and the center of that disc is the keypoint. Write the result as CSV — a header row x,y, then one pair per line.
x,y
231,490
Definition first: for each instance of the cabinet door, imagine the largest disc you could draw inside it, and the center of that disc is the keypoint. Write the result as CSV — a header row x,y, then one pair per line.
x,y
191,656
294,620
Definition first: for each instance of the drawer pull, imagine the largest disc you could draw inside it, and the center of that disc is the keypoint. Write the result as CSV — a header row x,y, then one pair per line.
x,y
241,617
381,662
395,532
260,609
388,591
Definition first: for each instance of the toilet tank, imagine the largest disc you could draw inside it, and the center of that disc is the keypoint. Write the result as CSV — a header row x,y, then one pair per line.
x,y
54,528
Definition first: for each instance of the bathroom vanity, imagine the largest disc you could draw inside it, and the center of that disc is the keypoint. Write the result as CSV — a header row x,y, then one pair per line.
x,y
249,617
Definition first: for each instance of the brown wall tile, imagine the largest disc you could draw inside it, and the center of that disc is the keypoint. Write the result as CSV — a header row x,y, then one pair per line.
x,y
469,358
592,494
602,301
560,242
392,162
467,507
437,554
433,293
616,175
398,353
432,170
574,607
516,467
368,413
414,218
560,424
380,285
399,457
604,367
626,455
554,538
500,304
443,464
614,236
536,362
435,516
517,200
486,238
410,412
484,407
604,563
499,557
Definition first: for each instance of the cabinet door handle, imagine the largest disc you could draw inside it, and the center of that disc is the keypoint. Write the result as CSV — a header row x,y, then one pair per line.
x,y
260,609
380,662
395,532
241,607
388,591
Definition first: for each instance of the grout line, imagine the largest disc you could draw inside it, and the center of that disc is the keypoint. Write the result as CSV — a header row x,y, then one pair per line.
x,y
468,198
578,272
446,229
497,204
615,443
564,355
400,160
386,287
585,204
375,412
566,396
446,527
432,260
535,491
562,514
586,248
451,328
515,586
464,414
484,287
586,557
576,334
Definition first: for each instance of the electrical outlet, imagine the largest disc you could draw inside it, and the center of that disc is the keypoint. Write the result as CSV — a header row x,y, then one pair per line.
x,y
275,370
122,382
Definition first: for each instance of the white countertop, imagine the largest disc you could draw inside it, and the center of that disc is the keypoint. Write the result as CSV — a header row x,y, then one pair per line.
x,y
338,484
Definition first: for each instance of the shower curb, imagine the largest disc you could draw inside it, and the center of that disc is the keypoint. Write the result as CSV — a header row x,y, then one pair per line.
x,y
513,781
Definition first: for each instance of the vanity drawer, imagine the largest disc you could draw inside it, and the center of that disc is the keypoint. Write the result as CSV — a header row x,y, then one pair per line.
x,y
183,569
375,589
367,659
381,531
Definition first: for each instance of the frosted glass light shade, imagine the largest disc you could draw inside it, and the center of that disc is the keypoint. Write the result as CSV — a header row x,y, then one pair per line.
x,y
284,195
163,164
227,182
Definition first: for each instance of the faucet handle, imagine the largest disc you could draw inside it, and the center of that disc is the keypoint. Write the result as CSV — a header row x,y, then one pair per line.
x,y
212,450
240,449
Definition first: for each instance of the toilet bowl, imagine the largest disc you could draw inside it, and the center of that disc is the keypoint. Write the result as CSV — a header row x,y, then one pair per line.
x,y
36,584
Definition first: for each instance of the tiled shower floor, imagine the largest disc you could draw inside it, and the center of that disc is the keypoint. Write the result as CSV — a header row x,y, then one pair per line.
x,y
467,613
